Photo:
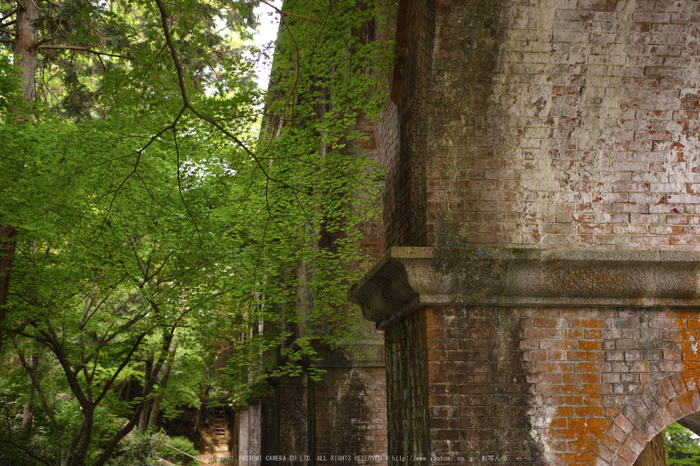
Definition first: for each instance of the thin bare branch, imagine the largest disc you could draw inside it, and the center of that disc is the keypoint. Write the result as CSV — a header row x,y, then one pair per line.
x,y
42,41
83,49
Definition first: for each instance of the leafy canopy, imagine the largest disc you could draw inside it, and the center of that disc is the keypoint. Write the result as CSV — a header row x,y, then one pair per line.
x,y
157,232
682,446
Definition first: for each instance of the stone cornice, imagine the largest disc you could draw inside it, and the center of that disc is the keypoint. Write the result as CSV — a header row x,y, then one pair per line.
x,y
406,279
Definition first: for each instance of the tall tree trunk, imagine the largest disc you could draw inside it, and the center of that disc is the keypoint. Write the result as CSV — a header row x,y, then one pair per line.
x,y
198,419
28,414
163,385
7,249
147,383
653,453
85,437
25,48
25,44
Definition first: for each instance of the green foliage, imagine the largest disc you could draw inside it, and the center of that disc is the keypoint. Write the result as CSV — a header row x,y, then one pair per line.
x,y
9,82
189,375
317,189
156,228
69,418
180,443
146,450
682,446
81,41
137,450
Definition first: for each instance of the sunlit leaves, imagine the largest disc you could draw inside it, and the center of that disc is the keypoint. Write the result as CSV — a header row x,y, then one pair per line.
x,y
151,230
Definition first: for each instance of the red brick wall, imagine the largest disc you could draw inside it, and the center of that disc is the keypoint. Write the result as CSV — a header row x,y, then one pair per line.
x,y
544,124
387,140
540,385
407,384
404,202
372,230
548,123
388,144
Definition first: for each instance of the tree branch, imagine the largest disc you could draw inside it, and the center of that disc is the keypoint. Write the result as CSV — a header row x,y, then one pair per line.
x,y
62,357
144,269
121,367
83,49
8,15
157,271
117,332
99,305
136,166
109,449
187,105
49,412
43,41
179,188
29,452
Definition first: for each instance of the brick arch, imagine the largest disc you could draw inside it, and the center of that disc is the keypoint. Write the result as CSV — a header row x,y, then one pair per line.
x,y
626,436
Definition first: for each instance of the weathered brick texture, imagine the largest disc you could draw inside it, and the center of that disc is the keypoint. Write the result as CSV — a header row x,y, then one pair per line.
x,y
293,424
539,385
547,123
351,404
405,193
407,385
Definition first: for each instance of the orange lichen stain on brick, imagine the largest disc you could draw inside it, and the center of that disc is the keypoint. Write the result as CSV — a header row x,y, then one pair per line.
x,y
687,324
578,420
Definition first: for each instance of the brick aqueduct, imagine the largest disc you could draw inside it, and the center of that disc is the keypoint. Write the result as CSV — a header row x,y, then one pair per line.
x,y
538,285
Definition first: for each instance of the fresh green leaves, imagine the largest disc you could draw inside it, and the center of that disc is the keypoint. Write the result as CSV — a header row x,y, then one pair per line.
x,y
682,446
158,232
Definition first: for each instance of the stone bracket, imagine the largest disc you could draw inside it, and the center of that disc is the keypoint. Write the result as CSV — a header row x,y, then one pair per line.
x,y
407,279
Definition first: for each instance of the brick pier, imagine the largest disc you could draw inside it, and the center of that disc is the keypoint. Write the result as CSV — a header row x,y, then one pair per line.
x,y
540,289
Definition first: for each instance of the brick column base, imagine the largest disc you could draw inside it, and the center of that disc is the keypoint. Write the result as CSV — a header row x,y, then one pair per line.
x,y
532,357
